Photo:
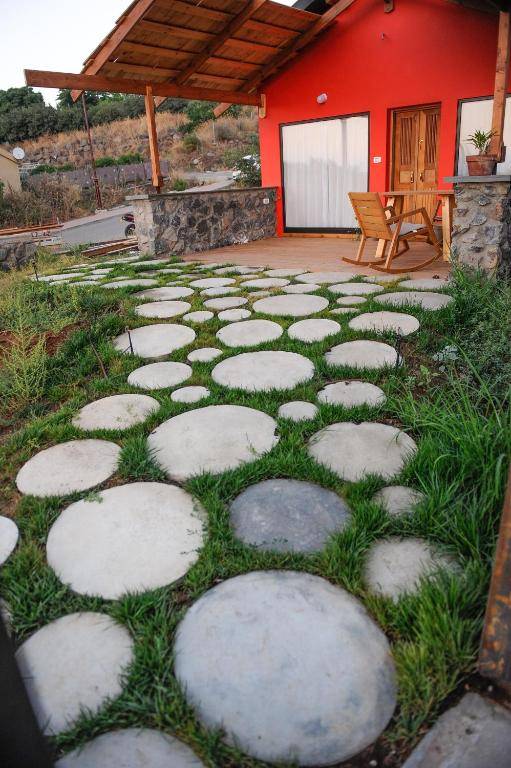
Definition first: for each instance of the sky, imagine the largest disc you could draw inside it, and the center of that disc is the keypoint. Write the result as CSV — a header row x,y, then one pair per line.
x,y
53,34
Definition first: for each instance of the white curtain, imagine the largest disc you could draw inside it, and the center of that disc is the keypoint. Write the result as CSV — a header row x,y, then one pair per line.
x,y
476,115
323,161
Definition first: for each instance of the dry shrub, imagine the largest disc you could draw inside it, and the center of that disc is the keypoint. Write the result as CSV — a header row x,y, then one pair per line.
x,y
52,198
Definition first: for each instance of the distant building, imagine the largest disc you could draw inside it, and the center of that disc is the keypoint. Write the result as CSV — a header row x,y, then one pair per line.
x,y
9,171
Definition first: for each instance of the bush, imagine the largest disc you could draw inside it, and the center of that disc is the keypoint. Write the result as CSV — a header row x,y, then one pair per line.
x,y
51,198
130,157
199,112
224,131
247,171
104,162
43,168
179,185
191,142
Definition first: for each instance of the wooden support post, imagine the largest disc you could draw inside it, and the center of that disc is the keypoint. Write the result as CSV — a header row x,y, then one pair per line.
x,y
153,139
495,653
501,84
262,108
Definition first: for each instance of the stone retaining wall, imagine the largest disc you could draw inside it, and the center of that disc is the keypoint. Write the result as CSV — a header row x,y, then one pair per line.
x,y
180,222
16,253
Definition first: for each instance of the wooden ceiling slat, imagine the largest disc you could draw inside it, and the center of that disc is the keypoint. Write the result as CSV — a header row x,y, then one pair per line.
x,y
161,28
155,50
114,68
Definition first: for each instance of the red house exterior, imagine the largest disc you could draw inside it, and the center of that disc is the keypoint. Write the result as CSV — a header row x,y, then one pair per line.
x,y
424,57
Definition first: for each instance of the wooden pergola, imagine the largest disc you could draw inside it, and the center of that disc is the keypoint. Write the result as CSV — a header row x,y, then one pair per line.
x,y
220,50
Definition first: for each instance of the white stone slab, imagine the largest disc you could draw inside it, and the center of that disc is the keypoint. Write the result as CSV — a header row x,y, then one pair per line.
x,y
298,410
68,467
362,354
202,316
56,278
229,302
249,333
234,315
115,412
265,282
204,355
237,270
301,288
219,291
424,299
131,538
398,499
130,282
263,371
379,322
163,309
258,294
313,330
395,566
132,748
154,341
167,292
291,667
426,284
190,394
291,306
213,282
384,278
211,439
284,272
354,451
355,289
350,301
74,663
326,278
159,375
351,394
8,538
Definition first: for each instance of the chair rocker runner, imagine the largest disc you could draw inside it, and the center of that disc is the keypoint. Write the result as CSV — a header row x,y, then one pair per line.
x,y
380,223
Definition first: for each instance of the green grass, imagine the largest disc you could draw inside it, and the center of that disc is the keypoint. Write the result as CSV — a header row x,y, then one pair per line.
x,y
457,411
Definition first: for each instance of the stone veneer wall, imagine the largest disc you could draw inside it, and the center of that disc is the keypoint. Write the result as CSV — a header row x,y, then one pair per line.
x,y
179,222
481,235
16,253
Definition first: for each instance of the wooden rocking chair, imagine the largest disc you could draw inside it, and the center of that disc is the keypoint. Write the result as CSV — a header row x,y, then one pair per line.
x,y
381,223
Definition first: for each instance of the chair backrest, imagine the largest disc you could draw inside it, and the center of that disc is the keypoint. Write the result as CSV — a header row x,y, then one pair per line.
x,y
370,215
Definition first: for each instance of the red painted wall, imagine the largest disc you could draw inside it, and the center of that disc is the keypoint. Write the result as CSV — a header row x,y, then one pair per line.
x,y
425,51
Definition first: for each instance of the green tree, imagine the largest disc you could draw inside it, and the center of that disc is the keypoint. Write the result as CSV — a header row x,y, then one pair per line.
x,y
14,98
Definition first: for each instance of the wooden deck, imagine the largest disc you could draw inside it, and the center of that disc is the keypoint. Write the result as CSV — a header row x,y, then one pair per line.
x,y
312,253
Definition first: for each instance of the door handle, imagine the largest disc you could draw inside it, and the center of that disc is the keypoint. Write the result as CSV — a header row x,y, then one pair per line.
x,y
411,177
421,176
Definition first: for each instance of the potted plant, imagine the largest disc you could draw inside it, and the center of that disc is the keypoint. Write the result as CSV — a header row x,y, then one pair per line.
x,y
481,164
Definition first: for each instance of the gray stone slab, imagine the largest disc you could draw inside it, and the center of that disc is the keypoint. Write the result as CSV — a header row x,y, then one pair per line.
x,y
163,309
424,299
298,410
290,667
326,278
258,294
263,371
398,499
132,748
355,451
115,412
355,289
229,302
288,516
380,322
362,354
211,439
351,394
234,315
190,394
159,375
154,341
204,355
237,270
315,329
8,538
202,316
130,282
219,291
301,288
167,292
265,282
350,301
284,272
129,539
74,663
291,306
384,279
213,282
476,733
249,333
426,284
68,467
151,262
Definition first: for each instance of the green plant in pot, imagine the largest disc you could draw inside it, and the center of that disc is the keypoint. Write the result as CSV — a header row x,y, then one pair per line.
x,y
481,164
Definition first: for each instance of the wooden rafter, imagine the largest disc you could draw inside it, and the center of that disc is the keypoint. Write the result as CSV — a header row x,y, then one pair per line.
x,y
501,85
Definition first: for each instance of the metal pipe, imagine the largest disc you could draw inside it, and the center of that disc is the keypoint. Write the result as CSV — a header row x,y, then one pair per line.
x,y
97,189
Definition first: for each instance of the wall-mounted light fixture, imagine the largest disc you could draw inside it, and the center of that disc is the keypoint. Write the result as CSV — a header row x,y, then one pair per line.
x,y
322,98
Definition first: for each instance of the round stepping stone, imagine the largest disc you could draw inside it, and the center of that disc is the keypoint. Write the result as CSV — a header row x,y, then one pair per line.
x,y
351,301
229,302
132,748
298,410
159,375
291,306
204,355
355,289
326,278
395,566
265,282
131,538
262,371
354,451
385,321
115,412
364,354
71,664
288,516
211,439
139,282
68,467
425,299
166,271
425,284
163,308
249,333
233,315
284,272
301,288
166,293
219,291
290,667
198,317
384,278
258,294
56,278
190,394
236,270
343,311
313,330
151,263
8,538
351,394
213,282
398,499
154,341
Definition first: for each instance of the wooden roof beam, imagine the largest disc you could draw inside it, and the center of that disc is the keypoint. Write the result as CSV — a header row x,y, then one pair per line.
x,y
501,84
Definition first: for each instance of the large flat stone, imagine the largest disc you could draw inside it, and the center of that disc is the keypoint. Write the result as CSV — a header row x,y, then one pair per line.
x,y
380,322
326,278
351,394
290,667
298,410
132,748
291,306
398,499
211,439
167,292
163,309
351,301
73,663
424,299
229,302
213,282
355,289
159,375
202,316
263,371
284,272
68,467
362,354
204,355
237,270
234,315
190,394
313,330
131,282
265,282
288,516
355,451
8,538
115,412
426,284
131,538
219,291
301,288
249,333
154,341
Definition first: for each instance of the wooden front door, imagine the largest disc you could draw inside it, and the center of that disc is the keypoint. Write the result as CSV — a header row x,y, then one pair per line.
x,y
415,155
